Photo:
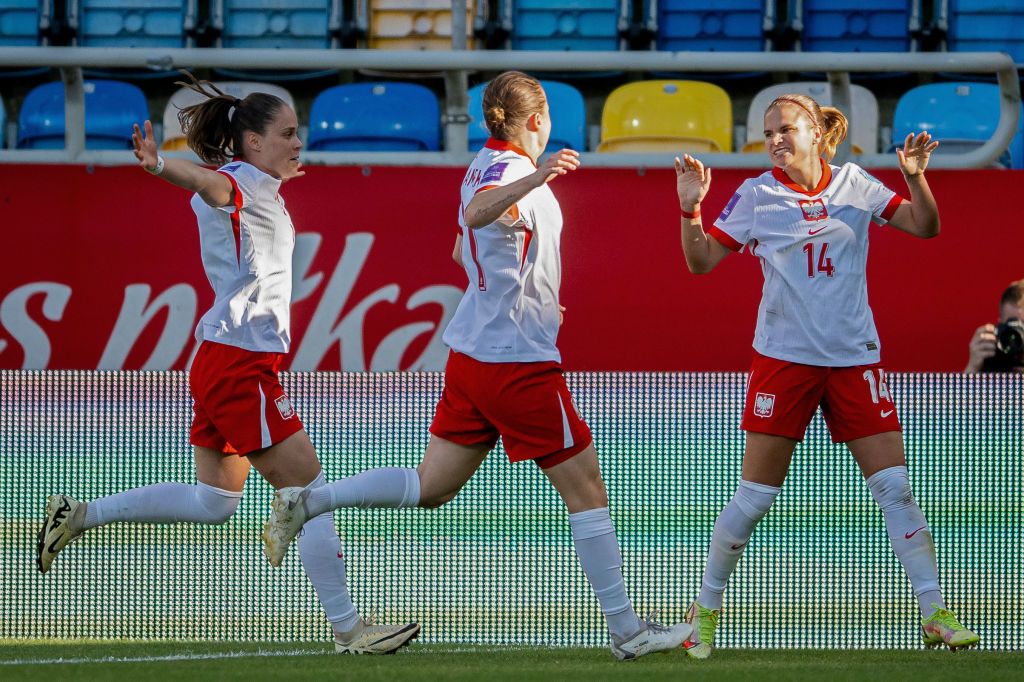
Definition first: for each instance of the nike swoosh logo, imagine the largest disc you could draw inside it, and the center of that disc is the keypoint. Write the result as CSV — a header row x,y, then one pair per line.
x,y
910,535
885,413
740,546
814,232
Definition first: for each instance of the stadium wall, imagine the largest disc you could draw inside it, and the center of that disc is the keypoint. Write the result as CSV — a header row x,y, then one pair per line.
x,y
101,270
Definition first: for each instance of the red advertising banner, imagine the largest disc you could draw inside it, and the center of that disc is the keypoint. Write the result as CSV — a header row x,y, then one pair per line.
x,y
101,269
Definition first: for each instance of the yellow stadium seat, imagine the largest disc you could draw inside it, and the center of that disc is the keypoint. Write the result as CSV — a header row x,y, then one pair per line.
x,y
415,24
667,116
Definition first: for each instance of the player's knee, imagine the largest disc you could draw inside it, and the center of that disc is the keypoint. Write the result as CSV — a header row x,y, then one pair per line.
x,y
219,505
891,488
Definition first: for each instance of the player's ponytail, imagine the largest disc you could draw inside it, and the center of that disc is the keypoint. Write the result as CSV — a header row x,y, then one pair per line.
x,y
509,100
832,122
214,128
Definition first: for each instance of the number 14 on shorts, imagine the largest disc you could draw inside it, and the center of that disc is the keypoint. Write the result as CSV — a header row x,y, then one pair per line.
x,y
879,387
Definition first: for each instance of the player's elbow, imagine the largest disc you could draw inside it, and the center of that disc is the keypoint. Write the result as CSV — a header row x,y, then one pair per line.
x,y
473,218
699,267
931,229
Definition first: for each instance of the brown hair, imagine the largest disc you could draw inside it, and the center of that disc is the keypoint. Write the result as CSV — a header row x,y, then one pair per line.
x,y
509,100
215,127
1014,294
831,121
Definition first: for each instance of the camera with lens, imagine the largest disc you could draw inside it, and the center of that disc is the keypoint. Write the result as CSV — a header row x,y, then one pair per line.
x,y
1009,355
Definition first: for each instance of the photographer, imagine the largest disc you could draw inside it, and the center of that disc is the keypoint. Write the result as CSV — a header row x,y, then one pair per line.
x,y
1000,348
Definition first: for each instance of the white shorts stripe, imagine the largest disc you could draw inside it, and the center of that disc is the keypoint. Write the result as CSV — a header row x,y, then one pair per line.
x,y
264,429
567,441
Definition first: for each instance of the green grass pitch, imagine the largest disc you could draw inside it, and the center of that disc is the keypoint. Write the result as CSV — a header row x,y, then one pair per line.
x,y
192,661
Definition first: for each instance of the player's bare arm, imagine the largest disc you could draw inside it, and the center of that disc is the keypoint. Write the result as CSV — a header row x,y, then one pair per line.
x,y
488,206
693,180
214,188
919,216
457,251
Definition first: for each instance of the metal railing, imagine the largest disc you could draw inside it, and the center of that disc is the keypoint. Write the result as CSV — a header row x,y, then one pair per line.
x,y
457,64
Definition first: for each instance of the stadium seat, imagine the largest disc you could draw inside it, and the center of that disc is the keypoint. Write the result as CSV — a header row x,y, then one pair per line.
x,y
727,25
566,24
985,26
174,140
302,24
111,108
132,23
863,121
962,116
414,24
22,22
3,125
568,116
661,115
855,25
375,117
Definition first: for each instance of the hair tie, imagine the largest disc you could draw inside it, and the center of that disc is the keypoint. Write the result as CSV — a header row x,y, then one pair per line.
x,y
237,103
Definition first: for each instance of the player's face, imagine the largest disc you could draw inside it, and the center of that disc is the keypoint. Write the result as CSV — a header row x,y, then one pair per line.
x,y
789,135
280,144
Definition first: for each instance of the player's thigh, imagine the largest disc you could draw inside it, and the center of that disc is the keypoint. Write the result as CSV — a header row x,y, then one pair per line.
x,y
292,462
221,470
766,458
578,481
446,467
877,452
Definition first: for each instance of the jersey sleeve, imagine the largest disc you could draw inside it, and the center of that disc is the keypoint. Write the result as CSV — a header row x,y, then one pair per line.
x,y
736,222
246,181
502,172
881,201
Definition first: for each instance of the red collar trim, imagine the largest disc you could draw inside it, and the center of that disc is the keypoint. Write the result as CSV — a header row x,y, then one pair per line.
x,y
826,177
506,146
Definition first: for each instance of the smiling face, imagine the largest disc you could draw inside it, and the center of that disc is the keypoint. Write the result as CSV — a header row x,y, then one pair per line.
x,y
790,137
276,151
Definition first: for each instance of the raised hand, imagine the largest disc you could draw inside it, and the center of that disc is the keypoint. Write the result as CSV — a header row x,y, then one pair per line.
x,y
692,181
144,145
559,163
916,152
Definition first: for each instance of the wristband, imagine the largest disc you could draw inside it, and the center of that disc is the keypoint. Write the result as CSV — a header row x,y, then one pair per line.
x,y
159,168
691,216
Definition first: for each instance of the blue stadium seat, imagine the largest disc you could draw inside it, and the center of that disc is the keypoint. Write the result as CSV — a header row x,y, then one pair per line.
x,y
111,107
962,116
21,22
568,115
565,24
389,117
3,125
302,24
132,23
856,25
986,26
726,25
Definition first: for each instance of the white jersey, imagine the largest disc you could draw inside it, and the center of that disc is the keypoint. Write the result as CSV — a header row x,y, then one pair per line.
x,y
813,247
247,254
509,312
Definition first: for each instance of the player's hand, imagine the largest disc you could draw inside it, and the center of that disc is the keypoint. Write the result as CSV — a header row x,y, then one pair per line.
x,y
559,163
983,347
692,182
561,315
916,152
144,145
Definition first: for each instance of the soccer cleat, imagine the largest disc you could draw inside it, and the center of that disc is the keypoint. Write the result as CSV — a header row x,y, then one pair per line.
x,y
942,627
369,637
287,516
704,622
63,523
652,637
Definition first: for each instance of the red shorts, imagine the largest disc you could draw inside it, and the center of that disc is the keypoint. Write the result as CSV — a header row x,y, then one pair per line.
x,y
783,396
526,403
239,404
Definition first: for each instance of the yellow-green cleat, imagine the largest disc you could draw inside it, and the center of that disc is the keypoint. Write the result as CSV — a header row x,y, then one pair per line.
x,y
942,627
704,622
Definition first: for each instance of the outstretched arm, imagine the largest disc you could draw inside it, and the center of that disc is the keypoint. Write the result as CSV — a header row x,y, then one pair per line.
x,y
920,215
702,252
487,207
213,187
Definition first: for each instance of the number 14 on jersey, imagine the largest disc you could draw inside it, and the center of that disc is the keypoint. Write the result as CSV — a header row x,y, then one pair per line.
x,y
824,264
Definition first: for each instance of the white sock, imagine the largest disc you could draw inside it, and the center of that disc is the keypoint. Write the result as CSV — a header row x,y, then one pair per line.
x,y
598,551
164,503
732,532
320,552
387,487
909,534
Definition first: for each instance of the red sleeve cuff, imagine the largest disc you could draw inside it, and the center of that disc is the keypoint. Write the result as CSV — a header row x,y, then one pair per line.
x,y
724,239
890,208
484,189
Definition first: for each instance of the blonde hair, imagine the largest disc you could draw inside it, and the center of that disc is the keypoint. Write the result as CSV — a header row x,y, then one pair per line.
x,y
832,122
509,100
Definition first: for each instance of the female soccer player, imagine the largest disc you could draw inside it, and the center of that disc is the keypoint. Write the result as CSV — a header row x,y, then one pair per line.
x,y
242,415
503,376
815,340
